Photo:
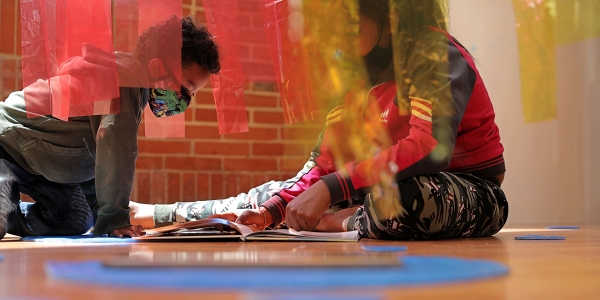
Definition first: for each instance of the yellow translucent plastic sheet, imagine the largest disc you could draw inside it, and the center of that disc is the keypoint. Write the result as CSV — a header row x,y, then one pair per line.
x,y
337,77
537,56
541,26
576,20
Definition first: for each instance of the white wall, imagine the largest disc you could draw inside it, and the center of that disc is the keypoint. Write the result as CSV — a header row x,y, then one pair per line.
x,y
553,167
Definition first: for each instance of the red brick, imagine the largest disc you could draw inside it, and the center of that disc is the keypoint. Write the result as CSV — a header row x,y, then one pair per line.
x,y
206,115
164,147
292,164
258,22
193,163
263,134
7,27
262,53
142,128
143,187
261,101
249,5
19,74
265,85
204,98
244,52
186,11
189,115
244,183
217,148
266,70
159,181
233,164
231,185
18,30
149,162
300,134
253,36
174,187
289,175
8,73
203,187
262,149
202,132
217,186
259,179
200,16
26,198
245,20
189,187
268,117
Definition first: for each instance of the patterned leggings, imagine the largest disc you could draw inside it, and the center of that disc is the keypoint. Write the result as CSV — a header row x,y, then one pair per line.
x,y
439,206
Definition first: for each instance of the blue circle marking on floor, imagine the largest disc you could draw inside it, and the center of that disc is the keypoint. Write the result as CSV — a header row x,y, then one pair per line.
x,y
415,270
383,248
540,237
77,239
562,227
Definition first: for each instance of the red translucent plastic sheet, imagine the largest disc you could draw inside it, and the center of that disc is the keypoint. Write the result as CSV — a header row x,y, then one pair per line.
x,y
228,86
284,27
69,66
151,13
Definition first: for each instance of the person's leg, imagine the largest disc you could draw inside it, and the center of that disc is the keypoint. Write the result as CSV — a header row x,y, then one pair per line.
x,y
149,216
11,176
89,190
436,206
60,209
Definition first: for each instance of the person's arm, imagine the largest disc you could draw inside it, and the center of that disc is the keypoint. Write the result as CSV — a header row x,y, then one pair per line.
x,y
116,154
441,82
277,204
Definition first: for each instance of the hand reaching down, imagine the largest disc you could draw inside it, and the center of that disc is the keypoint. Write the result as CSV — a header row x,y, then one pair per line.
x,y
128,231
259,219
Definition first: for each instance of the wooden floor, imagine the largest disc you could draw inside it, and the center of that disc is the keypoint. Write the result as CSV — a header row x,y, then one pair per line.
x,y
567,269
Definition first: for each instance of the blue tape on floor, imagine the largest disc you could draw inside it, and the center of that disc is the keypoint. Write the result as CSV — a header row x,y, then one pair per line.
x,y
1,258
415,270
384,248
562,227
540,237
77,239
311,296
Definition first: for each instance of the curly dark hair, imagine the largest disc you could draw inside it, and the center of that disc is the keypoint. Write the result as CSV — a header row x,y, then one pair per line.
x,y
198,45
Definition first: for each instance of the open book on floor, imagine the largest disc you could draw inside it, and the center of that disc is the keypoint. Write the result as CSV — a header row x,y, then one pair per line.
x,y
224,229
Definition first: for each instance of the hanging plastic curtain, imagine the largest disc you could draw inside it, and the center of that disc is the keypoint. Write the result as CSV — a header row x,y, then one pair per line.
x,y
228,85
537,56
284,25
336,74
69,66
157,13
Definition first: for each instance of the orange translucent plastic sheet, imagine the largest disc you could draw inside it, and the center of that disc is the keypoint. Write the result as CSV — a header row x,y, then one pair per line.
x,y
69,66
228,86
284,26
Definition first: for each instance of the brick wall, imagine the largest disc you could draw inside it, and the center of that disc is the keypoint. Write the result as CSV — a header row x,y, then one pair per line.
x,y
204,165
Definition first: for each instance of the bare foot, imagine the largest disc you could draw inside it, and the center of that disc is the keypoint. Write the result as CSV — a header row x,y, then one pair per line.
x,y
141,214
335,222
